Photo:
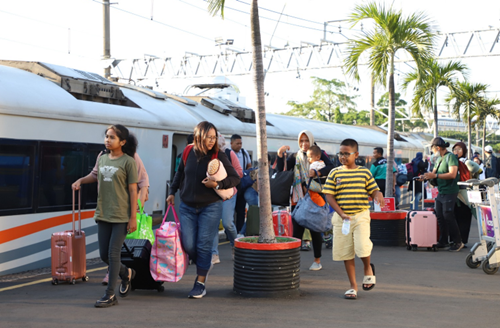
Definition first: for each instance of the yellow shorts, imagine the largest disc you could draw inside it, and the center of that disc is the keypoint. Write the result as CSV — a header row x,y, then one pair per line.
x,y
357,241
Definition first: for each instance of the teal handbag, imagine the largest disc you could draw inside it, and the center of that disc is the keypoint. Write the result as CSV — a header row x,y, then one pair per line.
x,y
144,226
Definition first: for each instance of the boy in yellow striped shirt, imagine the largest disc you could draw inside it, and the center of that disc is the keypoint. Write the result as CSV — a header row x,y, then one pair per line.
x,y
347,189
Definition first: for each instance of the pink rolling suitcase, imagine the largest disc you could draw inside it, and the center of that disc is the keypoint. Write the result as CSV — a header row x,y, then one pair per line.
x,y
421,228
282,223
69,258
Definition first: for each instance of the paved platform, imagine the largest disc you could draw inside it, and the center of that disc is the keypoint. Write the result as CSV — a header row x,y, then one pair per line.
x,y
414,289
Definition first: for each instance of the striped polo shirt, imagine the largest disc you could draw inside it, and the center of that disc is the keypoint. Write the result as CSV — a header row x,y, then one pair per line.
x,y
351,188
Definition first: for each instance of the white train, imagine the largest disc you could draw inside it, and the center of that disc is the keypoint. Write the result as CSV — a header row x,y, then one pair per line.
x,y
52,123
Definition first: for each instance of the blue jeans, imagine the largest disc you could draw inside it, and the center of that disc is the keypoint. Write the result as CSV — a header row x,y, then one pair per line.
x,y
227,223
397,195
199,226
416,205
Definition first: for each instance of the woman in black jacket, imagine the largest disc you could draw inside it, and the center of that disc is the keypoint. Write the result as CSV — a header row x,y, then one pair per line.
x,y
306,140
201,207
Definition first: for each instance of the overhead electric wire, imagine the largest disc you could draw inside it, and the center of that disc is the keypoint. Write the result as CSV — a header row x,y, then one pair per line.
x,y
49,49
157,22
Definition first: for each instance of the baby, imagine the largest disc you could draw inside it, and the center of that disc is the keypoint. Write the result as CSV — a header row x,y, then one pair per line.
x,y
314,158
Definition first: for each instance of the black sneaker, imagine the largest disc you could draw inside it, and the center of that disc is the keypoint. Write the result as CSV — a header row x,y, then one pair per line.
x,y
439,245
198,290
106,301
126,283
456,247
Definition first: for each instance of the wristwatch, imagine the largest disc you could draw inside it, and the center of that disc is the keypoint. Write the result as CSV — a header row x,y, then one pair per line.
x,y
437,174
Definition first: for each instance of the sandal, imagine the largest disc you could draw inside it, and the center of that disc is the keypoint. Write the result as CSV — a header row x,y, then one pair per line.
x,y
369,280
351,294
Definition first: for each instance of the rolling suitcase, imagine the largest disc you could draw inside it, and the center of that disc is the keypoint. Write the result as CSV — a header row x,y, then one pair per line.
x,y
421,228
282,223
68,253
135,254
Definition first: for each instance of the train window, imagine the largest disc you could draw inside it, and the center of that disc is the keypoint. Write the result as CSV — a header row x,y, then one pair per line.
x,y
61,164
89,192
16,174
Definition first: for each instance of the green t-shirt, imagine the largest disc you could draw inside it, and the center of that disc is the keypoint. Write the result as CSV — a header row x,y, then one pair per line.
x,y
114,176
446,187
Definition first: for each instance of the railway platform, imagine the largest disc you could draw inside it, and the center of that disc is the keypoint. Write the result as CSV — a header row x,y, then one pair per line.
x,y
414,289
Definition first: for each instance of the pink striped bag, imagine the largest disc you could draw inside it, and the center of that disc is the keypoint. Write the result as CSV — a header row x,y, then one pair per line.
x,y
168,260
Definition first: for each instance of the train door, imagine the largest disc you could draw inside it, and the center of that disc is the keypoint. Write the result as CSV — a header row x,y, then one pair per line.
x,y
179,142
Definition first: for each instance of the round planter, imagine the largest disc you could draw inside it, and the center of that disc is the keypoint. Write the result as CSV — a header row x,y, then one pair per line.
x,y
388,228
267,270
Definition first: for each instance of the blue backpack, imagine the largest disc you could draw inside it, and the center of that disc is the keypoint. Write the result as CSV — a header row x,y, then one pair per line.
x,y
246,181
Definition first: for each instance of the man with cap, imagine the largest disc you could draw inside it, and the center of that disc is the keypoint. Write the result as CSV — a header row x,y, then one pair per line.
x,y
445,172
490,163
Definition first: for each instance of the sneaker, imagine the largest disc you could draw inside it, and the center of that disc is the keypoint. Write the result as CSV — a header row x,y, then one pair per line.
x,y
106,301
315,266
240,235
106,279
215,258
456,247
306,246
126,283
198,290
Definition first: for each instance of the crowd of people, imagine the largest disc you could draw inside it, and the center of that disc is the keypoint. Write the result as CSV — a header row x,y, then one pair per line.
x,y
345,184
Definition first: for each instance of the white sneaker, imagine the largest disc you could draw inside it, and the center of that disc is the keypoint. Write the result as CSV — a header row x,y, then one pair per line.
x,y
240,235
315,266
215,259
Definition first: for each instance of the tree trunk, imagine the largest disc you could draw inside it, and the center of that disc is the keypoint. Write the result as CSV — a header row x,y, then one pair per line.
x,y
484,139
435,114
266,220
389,182
372,102
469,132
477,135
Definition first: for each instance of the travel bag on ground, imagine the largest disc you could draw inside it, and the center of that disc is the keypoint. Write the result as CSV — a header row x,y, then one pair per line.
x,y
135,254
68,252
421,227
168,260
253,221
281,186
282,223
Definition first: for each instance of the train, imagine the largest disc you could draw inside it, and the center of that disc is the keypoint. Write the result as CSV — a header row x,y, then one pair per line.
x,y
52,123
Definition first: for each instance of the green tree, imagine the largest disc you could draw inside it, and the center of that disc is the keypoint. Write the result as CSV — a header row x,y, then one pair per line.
x,y
266,221
392,33
465,99
481,113
427,84
327,100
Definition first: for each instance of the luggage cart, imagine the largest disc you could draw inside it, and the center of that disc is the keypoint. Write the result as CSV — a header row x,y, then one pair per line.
x,y
484,195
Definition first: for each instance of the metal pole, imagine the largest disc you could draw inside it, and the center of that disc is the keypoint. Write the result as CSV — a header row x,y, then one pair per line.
x,y
107,43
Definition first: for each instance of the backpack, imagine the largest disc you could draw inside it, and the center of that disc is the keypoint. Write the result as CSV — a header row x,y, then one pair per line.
x,y
246,181
409,171
401,179
228,154
463,170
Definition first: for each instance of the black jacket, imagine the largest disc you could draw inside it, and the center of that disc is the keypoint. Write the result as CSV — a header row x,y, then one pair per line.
x,y
189,177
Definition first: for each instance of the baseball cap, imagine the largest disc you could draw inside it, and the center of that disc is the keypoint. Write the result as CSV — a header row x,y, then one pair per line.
x,y
438,141
488,149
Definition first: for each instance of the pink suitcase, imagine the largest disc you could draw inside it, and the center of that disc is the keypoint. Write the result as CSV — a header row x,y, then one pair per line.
x,y
421,228
282,223
68,252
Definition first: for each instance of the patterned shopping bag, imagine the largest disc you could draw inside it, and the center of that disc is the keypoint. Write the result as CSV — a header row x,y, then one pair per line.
x,y
168,260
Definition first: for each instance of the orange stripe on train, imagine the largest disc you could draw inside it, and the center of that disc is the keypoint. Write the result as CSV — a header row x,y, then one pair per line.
x,y
31,228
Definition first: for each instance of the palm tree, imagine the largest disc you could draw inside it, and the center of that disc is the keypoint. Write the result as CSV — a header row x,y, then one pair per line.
x,y
467,98
489,109
392,33
427,84
266,224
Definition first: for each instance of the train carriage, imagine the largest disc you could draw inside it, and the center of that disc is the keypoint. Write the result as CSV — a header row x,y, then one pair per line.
x,y
52,123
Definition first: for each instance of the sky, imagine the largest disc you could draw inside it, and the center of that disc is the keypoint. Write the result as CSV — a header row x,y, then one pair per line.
x,y
70,33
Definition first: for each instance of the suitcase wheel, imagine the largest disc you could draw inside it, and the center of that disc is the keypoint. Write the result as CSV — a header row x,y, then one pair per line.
x,y
408,247
161,289
85,278
414,248
55,281
429,248
73,281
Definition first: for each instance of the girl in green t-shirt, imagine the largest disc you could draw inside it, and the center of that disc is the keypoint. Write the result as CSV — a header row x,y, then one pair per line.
x,y
116,206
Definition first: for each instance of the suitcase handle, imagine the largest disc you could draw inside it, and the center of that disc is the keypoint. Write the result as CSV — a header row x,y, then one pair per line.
x,y
128,249
79,212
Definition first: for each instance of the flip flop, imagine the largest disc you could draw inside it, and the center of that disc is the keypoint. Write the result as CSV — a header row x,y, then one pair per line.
x,y
351,294
369,280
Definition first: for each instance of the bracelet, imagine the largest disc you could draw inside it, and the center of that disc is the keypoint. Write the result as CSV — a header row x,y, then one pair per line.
x,y
437,175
